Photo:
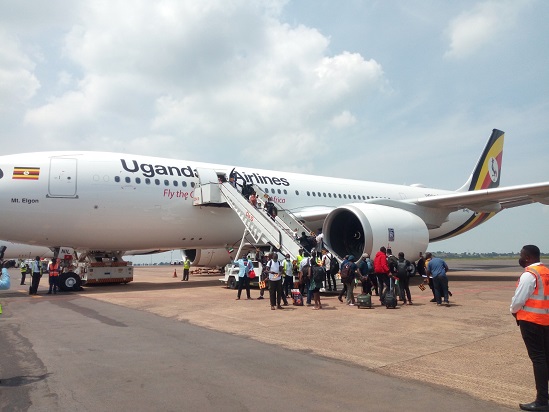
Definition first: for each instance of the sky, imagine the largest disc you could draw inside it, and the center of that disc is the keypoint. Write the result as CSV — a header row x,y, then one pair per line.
x,y
399,92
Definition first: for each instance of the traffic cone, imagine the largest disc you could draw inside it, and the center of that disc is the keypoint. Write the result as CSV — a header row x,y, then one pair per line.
x,y
175,273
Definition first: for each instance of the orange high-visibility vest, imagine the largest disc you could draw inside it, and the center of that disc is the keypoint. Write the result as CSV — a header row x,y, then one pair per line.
x,y
536,308
54,269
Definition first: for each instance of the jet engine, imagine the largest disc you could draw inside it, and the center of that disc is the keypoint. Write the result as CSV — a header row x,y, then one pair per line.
x,y
356,228
207,257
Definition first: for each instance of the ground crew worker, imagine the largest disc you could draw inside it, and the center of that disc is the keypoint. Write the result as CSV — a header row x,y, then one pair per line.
x,y
186,268
530,307
24,269
54,276
36,275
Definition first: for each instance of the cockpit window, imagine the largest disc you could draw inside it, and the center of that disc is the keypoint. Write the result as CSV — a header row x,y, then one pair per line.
x,y
1,174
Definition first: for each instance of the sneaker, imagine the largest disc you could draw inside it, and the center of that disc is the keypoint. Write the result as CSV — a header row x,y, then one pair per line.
x,y
272,308
433,300
340,299
259,298
447,303
438,304
350,304
410,303
279,307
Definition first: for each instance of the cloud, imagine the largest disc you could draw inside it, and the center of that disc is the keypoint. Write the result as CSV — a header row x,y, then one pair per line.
x,y
201,72
481,26
18,83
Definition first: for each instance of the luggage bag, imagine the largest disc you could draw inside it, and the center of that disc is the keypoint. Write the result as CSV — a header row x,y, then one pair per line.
x,y
390,300
297,297
364,300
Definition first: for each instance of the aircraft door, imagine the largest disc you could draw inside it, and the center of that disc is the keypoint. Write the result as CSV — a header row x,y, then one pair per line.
x,y
209,189
62,177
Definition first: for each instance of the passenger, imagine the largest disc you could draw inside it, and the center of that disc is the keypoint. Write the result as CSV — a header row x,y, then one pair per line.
x,y
351,282
437,268
36,275
304,279
304,241
392,263
244,267
5,282
53,271
404,267
344,287
253,199
275,282
313,286
319,241
24,269
429,279
288,277
381,270
326,264
186,268
270,208
365,267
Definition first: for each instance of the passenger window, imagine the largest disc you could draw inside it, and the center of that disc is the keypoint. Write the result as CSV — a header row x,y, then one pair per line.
x,y
128,180
279,191
192,185
148,181
345,196
175,183
354,197
184,183
314,194
138,180
285,192
117,179
166,182
329,195
297,192
324,194
308,193
157,182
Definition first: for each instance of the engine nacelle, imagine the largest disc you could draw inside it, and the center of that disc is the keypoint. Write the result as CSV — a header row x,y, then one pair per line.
x,y
207,257
359,228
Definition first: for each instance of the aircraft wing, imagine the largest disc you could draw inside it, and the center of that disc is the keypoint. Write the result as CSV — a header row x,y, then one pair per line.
x,y
491,200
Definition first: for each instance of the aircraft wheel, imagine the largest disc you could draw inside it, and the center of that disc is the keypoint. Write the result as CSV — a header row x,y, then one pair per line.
x,y
69,281
231,283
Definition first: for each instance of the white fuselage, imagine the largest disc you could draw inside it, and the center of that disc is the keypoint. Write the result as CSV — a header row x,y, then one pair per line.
x,y
110,201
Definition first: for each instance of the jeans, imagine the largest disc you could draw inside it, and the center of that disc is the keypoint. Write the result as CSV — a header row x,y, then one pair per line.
x,y
405,288
332,275
440,285
244,282
536,339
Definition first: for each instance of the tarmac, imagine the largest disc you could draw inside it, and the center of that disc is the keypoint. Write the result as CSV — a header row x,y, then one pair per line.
x,y
473,346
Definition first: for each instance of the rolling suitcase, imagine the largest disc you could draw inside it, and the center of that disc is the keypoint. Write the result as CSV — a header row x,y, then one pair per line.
x,y
364,300
390,300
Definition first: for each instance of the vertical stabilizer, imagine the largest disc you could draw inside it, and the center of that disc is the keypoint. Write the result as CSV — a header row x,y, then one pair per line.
x,y
487,172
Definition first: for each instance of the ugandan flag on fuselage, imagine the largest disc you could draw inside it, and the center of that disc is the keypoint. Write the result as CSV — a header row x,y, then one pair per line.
x,y
26,173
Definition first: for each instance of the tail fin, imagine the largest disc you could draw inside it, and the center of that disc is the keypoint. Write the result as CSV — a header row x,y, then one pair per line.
x,y
487,172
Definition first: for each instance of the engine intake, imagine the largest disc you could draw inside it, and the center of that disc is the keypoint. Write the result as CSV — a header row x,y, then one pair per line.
x,y
358,228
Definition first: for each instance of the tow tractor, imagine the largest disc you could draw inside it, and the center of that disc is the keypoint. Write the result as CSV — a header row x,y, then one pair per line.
x,y
93,268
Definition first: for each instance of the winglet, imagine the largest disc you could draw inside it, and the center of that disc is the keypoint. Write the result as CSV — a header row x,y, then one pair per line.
x,y
487,172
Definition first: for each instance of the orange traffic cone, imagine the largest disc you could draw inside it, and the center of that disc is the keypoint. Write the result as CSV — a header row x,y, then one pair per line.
x,y
175,273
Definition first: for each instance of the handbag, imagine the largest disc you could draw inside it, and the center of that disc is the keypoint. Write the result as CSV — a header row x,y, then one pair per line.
x,y
262,285
251,274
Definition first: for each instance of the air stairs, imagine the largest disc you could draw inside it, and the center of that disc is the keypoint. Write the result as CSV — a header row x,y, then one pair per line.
x,y
279,233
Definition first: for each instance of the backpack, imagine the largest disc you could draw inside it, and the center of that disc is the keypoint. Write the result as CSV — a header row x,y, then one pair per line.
x,y
370,266
334,265
345,272
402,269
319,275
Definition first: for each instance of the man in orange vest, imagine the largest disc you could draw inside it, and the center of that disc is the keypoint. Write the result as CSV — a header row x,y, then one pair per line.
x,y
54,276
530,307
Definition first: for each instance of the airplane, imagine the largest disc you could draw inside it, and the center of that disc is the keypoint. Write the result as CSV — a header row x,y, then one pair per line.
x,y
104,201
